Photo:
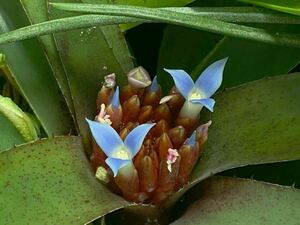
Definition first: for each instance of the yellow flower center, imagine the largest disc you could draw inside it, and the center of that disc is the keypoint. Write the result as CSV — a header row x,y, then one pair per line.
x,y
195,94
121,153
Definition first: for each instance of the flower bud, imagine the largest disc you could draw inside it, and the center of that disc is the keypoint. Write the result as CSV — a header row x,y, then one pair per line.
x,y
127,92
139,77
115,115
151,98
188,123
147,174
163,112
161,127
127,180
131,109
145,114
163,145
166,181
177,136
104,95
189,156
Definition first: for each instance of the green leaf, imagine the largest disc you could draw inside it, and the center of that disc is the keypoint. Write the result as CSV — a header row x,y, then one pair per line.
x,y
238,14
255,123
29,68
288,6
92,20
18,118
230,201
9,134
149,3
116,40
188,20
88,55
50,182
153,3
37,12
61,25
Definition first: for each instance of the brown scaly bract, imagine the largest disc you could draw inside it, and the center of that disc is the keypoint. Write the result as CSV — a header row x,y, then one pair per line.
x,y
165,161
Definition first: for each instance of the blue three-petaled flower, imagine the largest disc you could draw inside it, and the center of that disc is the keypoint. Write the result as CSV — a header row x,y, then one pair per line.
x,y
205,86
119,153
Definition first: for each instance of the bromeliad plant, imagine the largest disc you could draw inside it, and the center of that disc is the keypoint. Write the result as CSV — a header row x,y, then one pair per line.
x,y
144,153
149,169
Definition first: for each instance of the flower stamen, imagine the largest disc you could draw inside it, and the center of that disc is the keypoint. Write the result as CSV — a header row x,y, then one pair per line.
x,y
171,157
102,117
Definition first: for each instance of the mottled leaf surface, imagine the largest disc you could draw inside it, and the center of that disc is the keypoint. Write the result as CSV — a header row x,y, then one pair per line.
x,y
232,201
50,182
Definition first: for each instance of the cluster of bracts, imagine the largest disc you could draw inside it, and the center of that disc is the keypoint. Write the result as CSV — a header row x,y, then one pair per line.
x,y
168,154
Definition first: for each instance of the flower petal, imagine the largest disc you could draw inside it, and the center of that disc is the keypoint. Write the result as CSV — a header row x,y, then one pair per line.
x,y
207,102
182,80
154,86
211,78
105,136
116,164
115,101
135,138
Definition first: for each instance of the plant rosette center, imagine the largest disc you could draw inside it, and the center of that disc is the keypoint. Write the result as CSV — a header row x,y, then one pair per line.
x,y
145,146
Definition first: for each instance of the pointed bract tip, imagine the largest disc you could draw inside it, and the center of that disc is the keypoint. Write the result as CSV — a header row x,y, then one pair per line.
x,y
191,141
154,86
115,101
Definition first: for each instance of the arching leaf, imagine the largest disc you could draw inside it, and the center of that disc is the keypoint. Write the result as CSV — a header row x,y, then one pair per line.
x,y
230,201
50,182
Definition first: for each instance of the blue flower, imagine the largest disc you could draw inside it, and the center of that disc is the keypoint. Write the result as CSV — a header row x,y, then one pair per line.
x,y
205,86
119,153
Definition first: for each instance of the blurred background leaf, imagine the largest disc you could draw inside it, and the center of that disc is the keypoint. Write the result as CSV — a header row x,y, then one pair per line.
x,y
9,134
21,121
288,6
37,12
32,73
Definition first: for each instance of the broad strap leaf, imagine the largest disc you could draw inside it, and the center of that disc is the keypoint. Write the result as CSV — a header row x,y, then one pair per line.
x,y
50,182
230,201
